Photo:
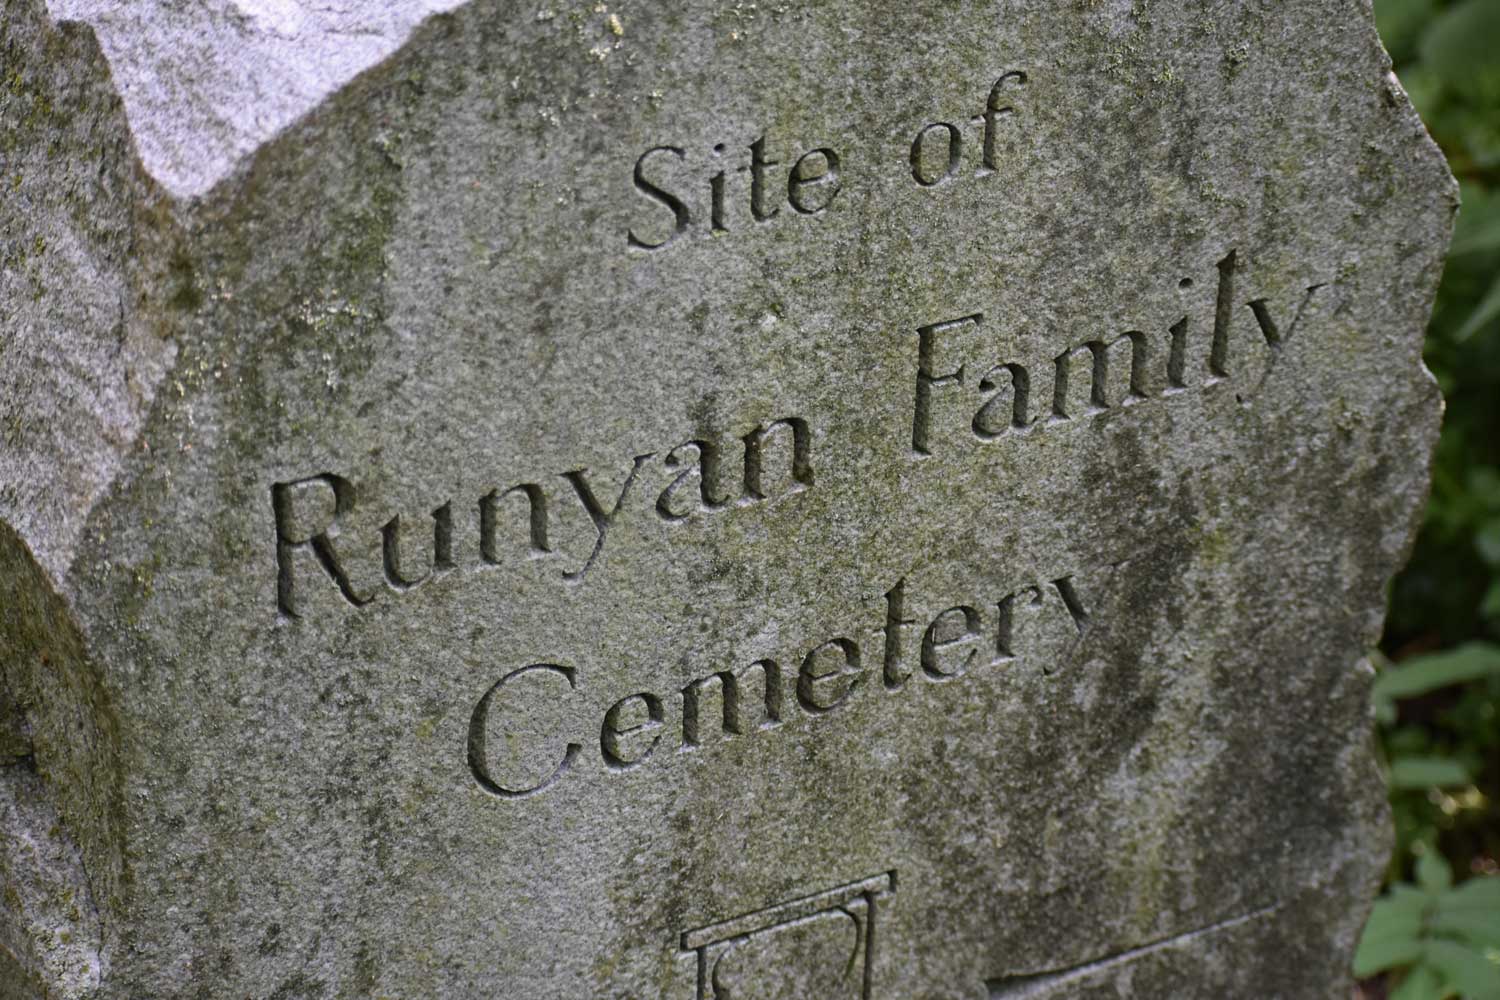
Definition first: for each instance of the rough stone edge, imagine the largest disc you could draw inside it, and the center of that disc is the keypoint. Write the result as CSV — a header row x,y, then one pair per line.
x,y
1426,167
58,801
63,859
166,218
141,359
62,852
149,48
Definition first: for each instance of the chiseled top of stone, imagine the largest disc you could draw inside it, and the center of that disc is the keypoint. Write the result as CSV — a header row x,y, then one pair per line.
x,y
206,83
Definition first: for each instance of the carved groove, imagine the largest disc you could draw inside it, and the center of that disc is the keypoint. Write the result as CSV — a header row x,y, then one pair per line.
x,y
1034,986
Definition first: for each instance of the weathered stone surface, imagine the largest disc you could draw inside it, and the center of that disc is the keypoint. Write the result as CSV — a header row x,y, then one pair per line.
x,y
453,550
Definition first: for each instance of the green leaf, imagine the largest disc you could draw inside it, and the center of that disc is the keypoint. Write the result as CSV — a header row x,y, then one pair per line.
x,y
1484,482
1422,674
1490,606
1480,894
1477,129
1470,912
1385,712
1423,982
1488,309
1433,872
1460,47
1487,541
1468,969
1401,23
1477,929
1408,741
1425,91
1428,772
1478,227
1480,238
1393,935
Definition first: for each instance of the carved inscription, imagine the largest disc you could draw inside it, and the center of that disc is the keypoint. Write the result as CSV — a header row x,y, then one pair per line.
x,y
749,185
1013,397
1091,377
808,187
963,394
937,152
816,680
310,513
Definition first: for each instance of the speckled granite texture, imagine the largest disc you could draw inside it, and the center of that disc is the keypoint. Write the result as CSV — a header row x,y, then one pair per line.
x,y
683,501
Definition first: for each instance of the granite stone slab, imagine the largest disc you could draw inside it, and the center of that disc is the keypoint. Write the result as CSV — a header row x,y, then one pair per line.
x,y
654,500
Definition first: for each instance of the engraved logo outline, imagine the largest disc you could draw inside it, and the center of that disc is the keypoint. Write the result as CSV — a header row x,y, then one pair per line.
x,y
859,901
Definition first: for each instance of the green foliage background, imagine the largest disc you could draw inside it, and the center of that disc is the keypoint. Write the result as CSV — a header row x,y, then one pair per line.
x,y
1436,932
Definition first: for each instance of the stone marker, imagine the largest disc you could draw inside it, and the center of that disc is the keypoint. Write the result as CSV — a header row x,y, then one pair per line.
x,y
673,501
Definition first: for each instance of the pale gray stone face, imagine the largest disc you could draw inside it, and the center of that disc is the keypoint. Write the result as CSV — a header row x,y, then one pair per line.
x,y
662,500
